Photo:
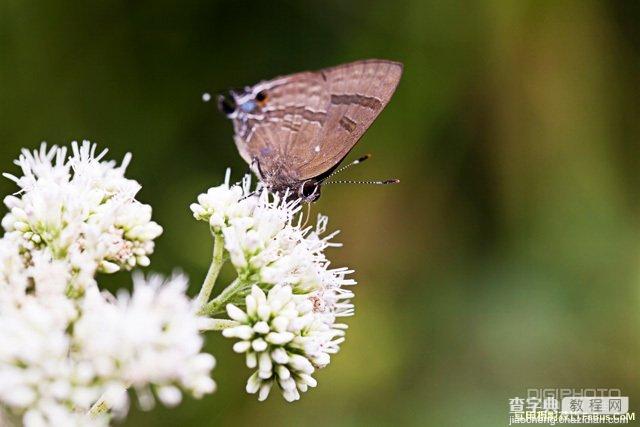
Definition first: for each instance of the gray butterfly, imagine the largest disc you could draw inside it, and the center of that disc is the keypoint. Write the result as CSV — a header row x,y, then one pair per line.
x,y
295,130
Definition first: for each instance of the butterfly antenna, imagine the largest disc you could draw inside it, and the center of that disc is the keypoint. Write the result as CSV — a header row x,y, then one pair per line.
x,y
211,96
384,182
347,166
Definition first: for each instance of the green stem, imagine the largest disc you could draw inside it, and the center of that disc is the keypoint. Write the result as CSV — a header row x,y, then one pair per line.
x,y
101,406
218,324
98,408
218,303
214,269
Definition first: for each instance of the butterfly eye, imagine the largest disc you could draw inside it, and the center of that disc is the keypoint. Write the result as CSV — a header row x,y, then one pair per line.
x,y
310,190
226,104
261,96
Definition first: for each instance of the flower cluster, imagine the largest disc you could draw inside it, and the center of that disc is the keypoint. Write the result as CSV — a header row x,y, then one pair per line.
x,y
291,330
283,338
38,380
80,208
53,367
219,205
65,345
148,337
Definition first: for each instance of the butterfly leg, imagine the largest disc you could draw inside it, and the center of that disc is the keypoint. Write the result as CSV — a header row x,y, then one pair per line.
x,y
255,166
307,216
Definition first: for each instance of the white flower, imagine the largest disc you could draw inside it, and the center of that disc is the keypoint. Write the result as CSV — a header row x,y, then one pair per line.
x,y
148,337
266,242
63,344
14,279
220,204
270,248
37,377
292,330
253,241
284,339
80,208
57,358
128,237
39,275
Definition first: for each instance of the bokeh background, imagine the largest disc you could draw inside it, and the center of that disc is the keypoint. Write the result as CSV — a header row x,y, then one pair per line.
x,y
509,256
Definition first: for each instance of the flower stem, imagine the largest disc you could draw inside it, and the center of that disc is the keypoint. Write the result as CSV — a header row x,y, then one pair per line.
x,y
101,406
217,304
214,269
218,324
98,408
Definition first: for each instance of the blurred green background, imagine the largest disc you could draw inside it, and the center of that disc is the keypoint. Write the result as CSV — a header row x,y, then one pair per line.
x,y
508,258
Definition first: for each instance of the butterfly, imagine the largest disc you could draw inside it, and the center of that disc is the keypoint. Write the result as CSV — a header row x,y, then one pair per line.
x,y
295,130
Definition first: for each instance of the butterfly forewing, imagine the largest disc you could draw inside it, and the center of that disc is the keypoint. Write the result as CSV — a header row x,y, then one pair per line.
x,y
358,92
309,121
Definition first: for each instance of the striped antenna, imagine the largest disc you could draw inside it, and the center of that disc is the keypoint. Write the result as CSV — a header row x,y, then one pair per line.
x,y
384,182
347,166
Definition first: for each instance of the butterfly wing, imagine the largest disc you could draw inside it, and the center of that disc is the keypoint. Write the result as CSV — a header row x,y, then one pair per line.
x,y
358,92
310,121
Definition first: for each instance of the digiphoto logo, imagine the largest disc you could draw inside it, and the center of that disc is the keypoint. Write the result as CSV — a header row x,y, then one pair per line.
x,y
553,406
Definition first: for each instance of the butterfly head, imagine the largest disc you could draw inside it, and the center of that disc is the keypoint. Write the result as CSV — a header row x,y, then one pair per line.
x,y
234,103
227,104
